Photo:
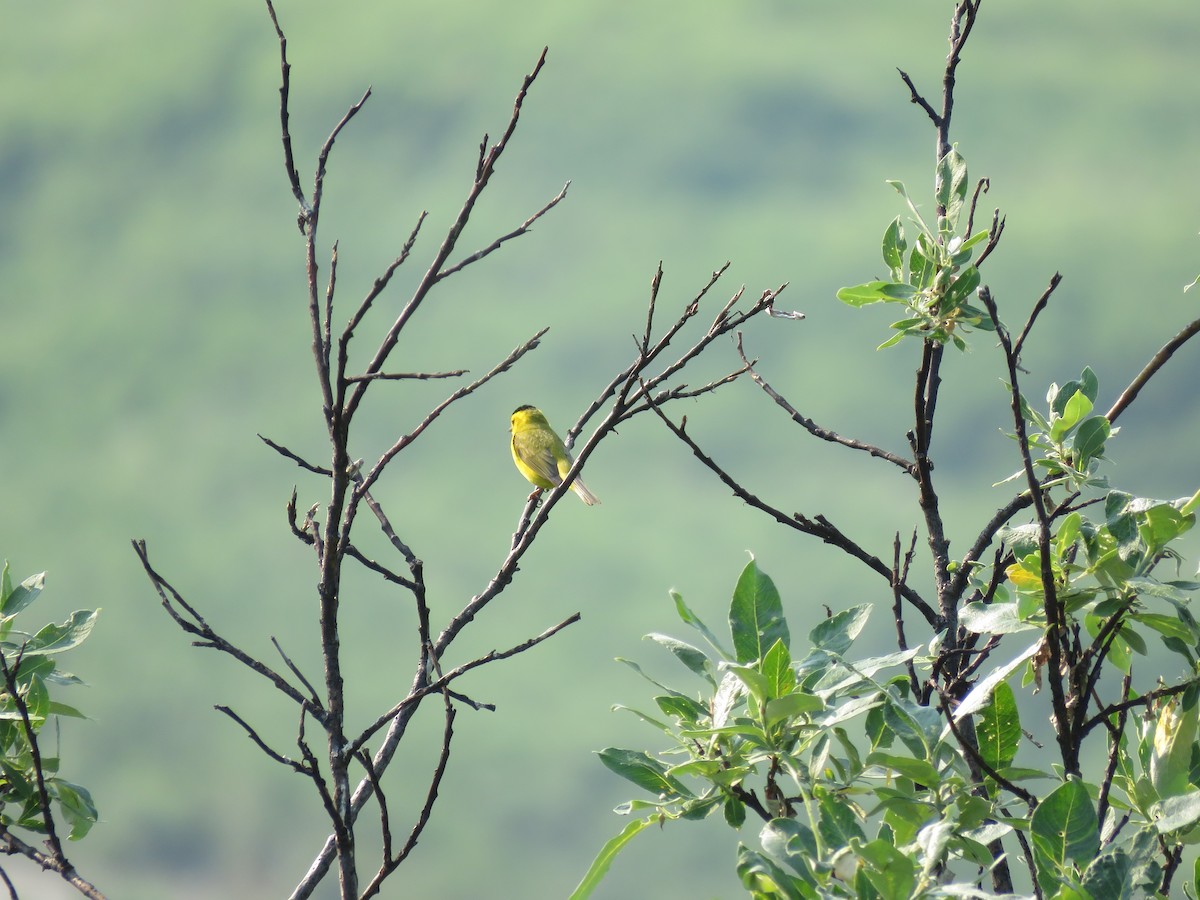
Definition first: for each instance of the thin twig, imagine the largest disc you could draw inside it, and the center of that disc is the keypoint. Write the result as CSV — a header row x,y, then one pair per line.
x,y
816,430
1041,304
301,768
818,527
1156,362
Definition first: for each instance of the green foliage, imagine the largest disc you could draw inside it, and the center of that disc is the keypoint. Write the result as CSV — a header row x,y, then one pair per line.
x,y
939,279
29,778
864,792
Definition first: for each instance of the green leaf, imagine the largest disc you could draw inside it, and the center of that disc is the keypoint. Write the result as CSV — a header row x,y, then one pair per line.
x,y
640,671
836,822
1168,626
763,878
918,770
863,294
1161,524
793,843
685,709
890,872
999,727
951,186
792,706
836,633
604,859
979,695
734,810
960,289
1073,412
37,701
726,698
1171,752
755,681
690,618
1109,875
776,667
894,246
1089,383
57,638
1090,439
917,726
756,615
661,726
994,618
1064,826
691,657
1176,813
644,771
76,805
16,599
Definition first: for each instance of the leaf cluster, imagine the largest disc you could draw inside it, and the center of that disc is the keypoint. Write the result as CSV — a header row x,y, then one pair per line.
x,y
32,792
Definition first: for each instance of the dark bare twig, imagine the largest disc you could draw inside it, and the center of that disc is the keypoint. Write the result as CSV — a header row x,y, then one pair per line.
x,y
435,271
298,460
916,97
1041,304
1068,740
981,187
819,527
377,288
813,428
500,368
289,159
406,376
296,671
1145,700
1156,362
301,768
899,579
994,233
194,624
11,844
1114,751
524,228
443,682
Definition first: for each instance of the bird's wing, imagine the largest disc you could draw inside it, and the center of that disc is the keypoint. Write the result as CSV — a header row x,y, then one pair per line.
x,y
541,460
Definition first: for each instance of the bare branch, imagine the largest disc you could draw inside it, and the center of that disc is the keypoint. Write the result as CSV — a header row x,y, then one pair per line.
x,y
1041,304
1156,362
443,682
407,376
981,187
915,97
10,843
301,768
380,283
289,159
434,272
1068,739
816,430
524,228
193,623
503,366
819,527
298,460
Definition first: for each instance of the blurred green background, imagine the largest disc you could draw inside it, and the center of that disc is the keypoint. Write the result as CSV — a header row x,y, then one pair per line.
x,y
154,321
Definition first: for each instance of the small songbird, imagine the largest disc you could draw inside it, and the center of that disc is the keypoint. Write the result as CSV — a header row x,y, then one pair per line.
x,y
540,454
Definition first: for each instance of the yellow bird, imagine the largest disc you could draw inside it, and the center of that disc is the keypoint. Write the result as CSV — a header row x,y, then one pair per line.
x,y
540,454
